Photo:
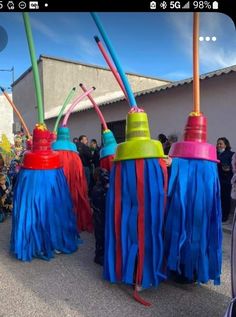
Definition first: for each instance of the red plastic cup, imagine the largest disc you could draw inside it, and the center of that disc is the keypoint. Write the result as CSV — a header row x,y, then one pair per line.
x,y
194,145
41,155
196,129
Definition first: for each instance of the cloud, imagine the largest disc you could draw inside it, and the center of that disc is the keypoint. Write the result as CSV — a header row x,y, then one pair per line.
x,y
86,46
41,27
86,50
213,55
216,58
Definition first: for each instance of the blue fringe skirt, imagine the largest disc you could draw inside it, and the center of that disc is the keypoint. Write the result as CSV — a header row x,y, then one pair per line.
x,y
134,223
193,233
43,219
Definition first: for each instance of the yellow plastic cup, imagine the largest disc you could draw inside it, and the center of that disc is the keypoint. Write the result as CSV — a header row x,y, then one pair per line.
x,y
138,142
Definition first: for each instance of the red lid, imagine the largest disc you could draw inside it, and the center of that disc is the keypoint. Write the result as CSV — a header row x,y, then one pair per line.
x,y
41,155
196,129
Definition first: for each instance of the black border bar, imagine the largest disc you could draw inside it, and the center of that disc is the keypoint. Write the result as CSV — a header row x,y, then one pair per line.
x,y
227,7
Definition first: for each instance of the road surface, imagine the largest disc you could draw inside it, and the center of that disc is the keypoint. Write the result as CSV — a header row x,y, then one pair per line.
x,y
72,286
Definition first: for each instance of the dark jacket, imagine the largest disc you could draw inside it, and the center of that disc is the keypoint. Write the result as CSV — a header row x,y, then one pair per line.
x,y
85,154
225,166
96,157
98,198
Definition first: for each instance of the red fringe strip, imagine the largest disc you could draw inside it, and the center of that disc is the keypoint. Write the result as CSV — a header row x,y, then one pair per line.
x,y
76,179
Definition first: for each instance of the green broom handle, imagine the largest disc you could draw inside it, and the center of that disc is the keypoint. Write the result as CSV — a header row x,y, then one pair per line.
x,y
34,67
68,99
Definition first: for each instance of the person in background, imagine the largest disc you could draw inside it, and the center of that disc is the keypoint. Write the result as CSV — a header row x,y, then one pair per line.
x,y
95,152
5,197
2,163
98,198
18,147
76,141
86,156
13,171
233,180
18,151
224,155
172,138
162,138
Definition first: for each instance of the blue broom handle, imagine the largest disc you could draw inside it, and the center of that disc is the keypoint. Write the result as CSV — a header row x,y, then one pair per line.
x,y
124,79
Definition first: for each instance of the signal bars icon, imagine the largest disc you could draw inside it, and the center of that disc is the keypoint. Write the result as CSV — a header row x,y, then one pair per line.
x,y
186,6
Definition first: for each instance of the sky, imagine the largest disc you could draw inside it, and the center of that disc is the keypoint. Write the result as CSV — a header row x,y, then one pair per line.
x,y
152,44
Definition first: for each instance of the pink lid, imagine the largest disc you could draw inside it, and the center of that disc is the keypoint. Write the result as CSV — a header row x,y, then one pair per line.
x,y
194,150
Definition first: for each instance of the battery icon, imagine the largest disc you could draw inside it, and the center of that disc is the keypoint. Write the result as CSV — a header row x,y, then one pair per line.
x,y
215,5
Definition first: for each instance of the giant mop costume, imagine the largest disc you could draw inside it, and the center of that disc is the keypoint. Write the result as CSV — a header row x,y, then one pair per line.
x,y
74,170
43,220
135,201
193,234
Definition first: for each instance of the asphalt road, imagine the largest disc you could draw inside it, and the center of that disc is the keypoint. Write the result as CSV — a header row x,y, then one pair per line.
x,y
72,285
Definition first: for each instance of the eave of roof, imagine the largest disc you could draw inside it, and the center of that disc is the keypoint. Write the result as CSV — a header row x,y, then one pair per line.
x,y
118,95
41,57
183,82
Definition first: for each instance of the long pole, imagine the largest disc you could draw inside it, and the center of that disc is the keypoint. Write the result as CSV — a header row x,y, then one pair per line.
x,y
75,102
115,59
68,99
196,80
34,67
16,111
99,113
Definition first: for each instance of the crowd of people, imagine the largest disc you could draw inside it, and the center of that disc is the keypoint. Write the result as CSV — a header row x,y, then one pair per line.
x,y
98,179
8,174
89,154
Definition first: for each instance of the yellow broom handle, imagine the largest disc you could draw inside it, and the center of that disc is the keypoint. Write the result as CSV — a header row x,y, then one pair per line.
x,y
196,81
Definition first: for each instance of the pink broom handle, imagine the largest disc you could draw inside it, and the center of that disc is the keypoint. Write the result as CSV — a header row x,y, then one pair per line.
x,y
99,113
111,66
76,101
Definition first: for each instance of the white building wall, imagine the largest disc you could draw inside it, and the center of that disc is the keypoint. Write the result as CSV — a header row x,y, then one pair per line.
x,y
168,110
58,77
6,118
24,98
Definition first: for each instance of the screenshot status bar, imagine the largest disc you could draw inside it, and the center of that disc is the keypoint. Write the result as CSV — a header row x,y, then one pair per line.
x,y
122,6
222,6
